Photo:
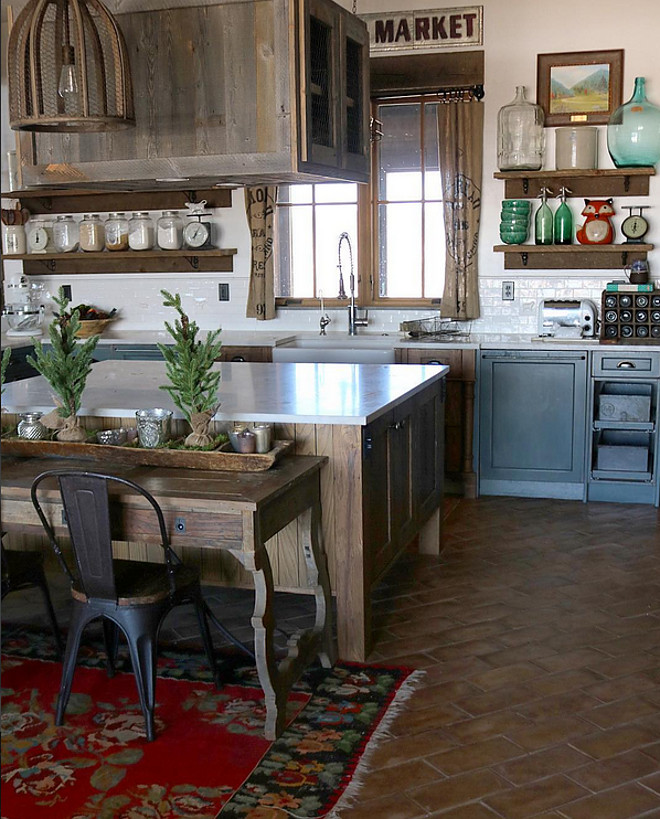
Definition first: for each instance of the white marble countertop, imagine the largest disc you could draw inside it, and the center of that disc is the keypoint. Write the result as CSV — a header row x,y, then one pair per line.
x,y
265,338
351,394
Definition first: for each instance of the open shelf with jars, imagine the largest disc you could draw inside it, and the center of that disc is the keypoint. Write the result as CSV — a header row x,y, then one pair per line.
x,y
46,202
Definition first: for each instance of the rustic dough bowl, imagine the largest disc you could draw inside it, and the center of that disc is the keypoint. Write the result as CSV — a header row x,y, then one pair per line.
x,y
92,327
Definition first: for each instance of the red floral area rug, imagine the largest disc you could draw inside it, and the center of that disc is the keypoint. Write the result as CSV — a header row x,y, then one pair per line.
x,y
209,758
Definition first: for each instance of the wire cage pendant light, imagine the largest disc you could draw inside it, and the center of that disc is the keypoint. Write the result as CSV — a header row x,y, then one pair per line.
x,y
68,69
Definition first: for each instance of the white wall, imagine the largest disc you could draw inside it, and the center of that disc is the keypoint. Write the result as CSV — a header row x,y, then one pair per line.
x,y
515,31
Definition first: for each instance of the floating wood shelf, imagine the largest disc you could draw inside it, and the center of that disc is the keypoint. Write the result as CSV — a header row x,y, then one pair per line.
x,y
609,182
571,257
131,261
76,200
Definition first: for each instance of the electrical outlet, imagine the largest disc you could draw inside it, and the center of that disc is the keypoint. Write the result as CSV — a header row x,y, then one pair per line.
x,y
66,289
223,291
507,291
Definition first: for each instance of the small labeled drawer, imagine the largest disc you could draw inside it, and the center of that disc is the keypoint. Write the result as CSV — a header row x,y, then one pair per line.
x,y
626,365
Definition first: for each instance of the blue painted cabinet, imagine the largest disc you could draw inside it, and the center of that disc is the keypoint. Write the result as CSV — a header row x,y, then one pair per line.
x,y
532,423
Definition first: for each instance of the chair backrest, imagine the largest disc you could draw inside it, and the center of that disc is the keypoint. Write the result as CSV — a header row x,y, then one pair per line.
x,y
86,501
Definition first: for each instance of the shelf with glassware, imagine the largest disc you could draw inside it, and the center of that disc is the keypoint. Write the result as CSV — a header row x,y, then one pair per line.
x,y
40,203
548,256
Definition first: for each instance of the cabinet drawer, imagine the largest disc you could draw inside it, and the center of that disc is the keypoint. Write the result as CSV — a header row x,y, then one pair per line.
x,y
461,363
626,364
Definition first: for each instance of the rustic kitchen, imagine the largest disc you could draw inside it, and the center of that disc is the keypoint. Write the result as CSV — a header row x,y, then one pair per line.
x,y
383,269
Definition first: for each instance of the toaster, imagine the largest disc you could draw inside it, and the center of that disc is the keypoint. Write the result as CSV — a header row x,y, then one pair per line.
x,y
567,318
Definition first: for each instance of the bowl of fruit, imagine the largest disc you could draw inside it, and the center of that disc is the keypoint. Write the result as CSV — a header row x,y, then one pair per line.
x,y
93,321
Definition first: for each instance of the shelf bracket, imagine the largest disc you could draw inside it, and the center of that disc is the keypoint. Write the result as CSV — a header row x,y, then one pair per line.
x,y
524,258
50,264
626,183
525,185
192,196
624,258
193,261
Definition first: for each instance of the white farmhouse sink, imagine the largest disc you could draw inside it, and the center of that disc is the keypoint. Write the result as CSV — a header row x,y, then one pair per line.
x,y
343,350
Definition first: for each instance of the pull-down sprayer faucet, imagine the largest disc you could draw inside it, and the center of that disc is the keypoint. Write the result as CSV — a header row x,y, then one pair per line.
x,y
354,320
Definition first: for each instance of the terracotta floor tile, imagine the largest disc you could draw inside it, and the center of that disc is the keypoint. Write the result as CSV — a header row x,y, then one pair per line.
x,y
475,728
416,746
622,687
580,658
457,790
570,702
617,770
618,803
652,782
392,807
621,711
506,675
476,755
386,781
533,737
424,719
615,740
559,759
532,799
474,810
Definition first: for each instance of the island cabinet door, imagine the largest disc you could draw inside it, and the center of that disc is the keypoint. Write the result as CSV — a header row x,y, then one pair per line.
x,y
388,511
428,445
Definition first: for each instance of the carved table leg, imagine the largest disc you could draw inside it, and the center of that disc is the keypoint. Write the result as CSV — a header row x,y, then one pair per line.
x,y
317,577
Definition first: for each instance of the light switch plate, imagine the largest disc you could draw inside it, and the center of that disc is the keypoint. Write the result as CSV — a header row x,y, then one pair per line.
x,y
223,291
507,291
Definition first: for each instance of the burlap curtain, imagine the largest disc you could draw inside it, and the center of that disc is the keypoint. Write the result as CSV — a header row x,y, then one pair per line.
x,y
461,133
260,210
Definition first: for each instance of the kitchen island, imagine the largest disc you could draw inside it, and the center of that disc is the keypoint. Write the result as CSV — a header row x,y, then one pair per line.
x,y
381,427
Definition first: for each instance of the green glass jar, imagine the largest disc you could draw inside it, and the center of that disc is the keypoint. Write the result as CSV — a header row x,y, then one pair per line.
x,y
633,131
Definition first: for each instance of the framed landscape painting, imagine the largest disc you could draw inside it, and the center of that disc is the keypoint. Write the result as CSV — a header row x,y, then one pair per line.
x,y
580,87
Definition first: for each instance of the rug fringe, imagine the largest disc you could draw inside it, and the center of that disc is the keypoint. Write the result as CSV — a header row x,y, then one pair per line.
x,y
348,797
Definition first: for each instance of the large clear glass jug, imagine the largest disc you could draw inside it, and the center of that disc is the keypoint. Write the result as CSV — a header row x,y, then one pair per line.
x,y
520,139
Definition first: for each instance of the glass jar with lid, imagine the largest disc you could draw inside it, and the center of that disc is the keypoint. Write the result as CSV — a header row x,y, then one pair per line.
x,y
92,233
65,234
141,231
170,230
116,232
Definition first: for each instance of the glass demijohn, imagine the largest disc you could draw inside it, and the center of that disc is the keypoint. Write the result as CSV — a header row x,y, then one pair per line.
x,y
633,132
520,134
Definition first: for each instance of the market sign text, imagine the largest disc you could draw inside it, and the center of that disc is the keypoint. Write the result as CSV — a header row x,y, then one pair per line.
x,y
425,30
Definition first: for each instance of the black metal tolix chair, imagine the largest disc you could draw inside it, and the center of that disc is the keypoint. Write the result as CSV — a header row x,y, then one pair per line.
x,y
130,595
24,570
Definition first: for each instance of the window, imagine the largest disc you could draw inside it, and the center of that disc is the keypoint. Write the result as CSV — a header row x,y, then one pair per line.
x,y
399,220
407,202
310,220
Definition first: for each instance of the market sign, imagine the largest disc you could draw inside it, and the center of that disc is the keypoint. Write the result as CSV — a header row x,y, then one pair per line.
x,y
425,30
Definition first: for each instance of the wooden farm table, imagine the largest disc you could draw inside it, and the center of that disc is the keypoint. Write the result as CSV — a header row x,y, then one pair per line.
x,y
234,511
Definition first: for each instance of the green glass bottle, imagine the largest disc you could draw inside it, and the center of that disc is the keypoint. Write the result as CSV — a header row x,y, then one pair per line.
x,y
543,221
563,226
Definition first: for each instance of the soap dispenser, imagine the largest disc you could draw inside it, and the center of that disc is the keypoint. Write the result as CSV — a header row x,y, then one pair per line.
x,y
563,226
543,221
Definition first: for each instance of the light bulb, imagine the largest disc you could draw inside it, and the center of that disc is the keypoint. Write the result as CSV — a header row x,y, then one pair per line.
x,y
67,87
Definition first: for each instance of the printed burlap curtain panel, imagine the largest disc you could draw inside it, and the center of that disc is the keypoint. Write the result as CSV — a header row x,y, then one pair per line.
x,y
260,210
461,134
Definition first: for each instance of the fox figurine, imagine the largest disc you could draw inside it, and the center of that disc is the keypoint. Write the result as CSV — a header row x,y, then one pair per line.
x,y
597,228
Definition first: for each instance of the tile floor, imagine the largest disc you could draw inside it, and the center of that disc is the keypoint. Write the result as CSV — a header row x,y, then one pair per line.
x,y
539,631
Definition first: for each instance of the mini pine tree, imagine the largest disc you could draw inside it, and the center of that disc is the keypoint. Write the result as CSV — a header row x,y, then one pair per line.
x,y
3,367
193,383
65,366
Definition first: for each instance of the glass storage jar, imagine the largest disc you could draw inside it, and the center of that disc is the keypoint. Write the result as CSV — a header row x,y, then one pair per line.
x,y
633,131
520,134
65,234
170,231
92,233
116,232
141,231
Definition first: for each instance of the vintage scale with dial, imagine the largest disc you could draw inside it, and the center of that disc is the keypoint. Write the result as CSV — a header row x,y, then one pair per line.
x,y
198,232
635,226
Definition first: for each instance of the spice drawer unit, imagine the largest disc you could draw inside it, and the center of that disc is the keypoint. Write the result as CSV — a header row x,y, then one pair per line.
x,y
624,364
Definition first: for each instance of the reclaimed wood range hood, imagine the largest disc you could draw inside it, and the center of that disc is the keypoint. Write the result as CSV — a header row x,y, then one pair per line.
x,y
246,91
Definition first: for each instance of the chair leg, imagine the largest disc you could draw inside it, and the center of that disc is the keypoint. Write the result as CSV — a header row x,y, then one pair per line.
x,y
79,619
201,610
141,629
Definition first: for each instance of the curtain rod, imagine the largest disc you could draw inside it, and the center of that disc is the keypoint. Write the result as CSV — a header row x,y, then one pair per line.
x,y
461,94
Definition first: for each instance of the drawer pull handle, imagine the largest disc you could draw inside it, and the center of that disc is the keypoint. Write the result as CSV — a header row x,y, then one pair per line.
x,y
626,365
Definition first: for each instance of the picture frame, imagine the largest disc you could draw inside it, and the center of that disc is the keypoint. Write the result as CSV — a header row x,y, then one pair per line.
x,y
579,87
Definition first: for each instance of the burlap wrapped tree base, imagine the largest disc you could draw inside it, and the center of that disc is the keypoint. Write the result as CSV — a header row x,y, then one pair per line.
x,y
68,429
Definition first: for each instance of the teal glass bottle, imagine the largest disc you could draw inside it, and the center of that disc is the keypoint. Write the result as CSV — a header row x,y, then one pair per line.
x,y
563,222
543,221
633,131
